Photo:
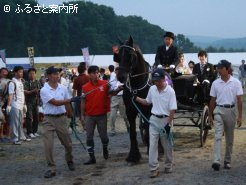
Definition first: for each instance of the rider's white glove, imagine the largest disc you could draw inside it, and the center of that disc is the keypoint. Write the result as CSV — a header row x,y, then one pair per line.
x,y
172,66
8,109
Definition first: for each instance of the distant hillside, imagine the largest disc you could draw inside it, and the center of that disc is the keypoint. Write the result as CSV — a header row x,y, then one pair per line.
x,y
204,42
64,34
238,43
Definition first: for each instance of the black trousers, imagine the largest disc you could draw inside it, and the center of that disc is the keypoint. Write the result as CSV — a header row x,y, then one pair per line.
x,y
32,118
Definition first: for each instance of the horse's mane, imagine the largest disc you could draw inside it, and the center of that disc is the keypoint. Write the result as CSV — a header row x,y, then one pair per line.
x,y
139,52
140,55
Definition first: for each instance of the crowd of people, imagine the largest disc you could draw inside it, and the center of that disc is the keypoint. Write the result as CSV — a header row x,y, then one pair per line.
x,y
92,96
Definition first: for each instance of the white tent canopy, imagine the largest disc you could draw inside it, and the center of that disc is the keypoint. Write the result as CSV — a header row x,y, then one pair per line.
x,y
106,60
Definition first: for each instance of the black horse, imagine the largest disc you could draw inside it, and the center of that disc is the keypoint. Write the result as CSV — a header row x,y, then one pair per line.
x,y
134,73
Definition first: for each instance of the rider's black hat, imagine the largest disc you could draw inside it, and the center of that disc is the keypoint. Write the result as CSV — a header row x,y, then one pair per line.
x,y
169,34
158,74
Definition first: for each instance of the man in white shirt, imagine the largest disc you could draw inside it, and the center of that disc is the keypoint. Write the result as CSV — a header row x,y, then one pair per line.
x,y
163,98
225,93
117,103
63,80
56,103
16,102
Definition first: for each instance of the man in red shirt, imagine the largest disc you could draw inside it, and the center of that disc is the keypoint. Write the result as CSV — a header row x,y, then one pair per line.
x,y
94,108
77,85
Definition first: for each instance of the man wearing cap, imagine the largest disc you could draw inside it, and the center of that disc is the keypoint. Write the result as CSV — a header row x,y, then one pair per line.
x,y
163,99
56,103
225,93
167,54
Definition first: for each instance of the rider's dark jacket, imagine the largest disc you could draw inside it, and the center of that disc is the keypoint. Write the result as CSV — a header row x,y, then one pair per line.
x,y
166,57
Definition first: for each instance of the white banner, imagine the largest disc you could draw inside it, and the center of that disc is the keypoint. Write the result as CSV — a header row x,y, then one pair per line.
x,y
86,55
30,51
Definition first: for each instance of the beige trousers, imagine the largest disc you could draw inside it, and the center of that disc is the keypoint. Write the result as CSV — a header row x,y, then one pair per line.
x,y
58,125
224,122
156,124
117,104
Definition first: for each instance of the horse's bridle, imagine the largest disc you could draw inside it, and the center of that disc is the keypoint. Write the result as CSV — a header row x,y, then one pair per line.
x,y
133,54
128,83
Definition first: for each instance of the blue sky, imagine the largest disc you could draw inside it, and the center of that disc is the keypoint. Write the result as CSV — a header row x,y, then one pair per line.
x,y
217,18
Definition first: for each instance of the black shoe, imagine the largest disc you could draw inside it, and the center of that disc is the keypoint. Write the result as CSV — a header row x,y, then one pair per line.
x,y
227,165
71,166
208,127
49,174
105,153
92,160
216,166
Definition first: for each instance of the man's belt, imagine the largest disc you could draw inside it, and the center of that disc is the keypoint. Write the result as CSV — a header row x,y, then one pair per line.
x,y
55,115
226,106
159,116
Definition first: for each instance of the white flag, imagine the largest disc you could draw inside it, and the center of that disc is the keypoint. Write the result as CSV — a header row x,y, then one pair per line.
x,y
86,55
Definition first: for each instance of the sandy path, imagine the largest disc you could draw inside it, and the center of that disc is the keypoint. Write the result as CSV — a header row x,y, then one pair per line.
x,y
25,164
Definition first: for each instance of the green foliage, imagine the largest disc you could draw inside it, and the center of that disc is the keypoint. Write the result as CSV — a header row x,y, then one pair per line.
x,y
185,45
93,26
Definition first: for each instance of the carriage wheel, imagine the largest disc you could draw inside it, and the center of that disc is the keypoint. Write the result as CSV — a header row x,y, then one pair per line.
x,y
142,129
204,126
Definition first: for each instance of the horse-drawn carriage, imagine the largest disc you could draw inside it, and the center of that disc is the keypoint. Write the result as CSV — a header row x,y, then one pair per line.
x,y
134,72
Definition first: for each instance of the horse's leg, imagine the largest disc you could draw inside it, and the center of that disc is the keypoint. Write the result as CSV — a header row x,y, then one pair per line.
x,y
134,154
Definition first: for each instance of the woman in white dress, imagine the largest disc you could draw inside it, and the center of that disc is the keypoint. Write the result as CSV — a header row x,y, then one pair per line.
x,y
182,66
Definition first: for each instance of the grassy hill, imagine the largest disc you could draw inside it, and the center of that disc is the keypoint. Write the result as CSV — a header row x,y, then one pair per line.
x,y
204,42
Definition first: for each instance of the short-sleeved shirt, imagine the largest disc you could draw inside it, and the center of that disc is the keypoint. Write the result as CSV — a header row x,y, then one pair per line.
x,y
16,88
97,101
47,93
163,101
226,92
79,82
34,97
114,83
3,86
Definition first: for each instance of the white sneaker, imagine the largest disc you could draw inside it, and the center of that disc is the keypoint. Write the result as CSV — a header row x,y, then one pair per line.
x,y
31,135
17,142
36,134
26,139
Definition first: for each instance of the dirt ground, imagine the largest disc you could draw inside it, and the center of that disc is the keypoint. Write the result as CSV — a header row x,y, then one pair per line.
x,y
25,164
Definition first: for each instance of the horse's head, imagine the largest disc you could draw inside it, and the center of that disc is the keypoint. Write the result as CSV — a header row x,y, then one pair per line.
x,y
128,55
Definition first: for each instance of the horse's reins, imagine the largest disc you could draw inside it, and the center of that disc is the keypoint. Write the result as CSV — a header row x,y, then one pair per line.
x,y
140,74
139,89
89,92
